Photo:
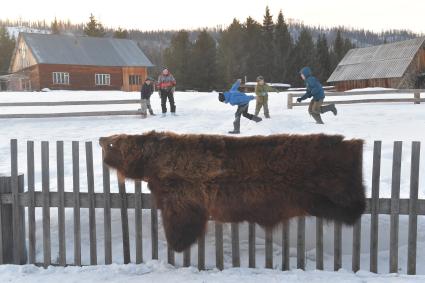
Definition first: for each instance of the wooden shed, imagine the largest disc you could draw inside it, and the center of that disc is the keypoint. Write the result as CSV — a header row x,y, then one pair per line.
x,y
399,65
76,63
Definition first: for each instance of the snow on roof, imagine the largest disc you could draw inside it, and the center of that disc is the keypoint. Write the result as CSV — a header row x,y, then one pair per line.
x,y
84,50
376,62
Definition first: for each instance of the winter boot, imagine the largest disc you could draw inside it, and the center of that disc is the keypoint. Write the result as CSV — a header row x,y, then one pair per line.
x,y
256,119
144,116
164,115
317,118
327,108
151,112
234,132
173,114
267,116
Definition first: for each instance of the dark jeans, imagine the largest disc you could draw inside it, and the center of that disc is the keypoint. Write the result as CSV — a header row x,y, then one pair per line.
x,y
170,95
241,111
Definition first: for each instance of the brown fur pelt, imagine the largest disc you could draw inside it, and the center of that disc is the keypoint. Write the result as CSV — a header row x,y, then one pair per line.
x,y
260,179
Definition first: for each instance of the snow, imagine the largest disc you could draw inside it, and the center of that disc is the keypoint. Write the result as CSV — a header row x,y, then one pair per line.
x,y
154,271
202,113
14,31
282,85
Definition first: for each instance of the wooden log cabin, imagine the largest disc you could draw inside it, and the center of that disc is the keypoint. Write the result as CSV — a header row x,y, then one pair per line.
x,y
399,65
76,63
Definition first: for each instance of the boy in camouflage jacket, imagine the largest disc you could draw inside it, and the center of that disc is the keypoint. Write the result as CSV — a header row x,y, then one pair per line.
x,y
262,96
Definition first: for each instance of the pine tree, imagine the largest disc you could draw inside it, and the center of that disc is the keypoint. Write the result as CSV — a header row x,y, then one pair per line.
x,y
94,28
121,33
54,27
268,44
338,49
203,63
302,55
177,56
7,46
282,49
323,59
254,49
232,54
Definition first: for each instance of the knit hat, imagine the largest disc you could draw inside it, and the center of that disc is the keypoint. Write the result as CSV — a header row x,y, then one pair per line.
x,y
260,78
221,97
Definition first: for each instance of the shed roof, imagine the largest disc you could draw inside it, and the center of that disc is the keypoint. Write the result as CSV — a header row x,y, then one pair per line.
x,y
84,50
377,62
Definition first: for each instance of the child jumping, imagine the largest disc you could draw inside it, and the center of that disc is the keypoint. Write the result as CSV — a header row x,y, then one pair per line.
x,y
240,99
262,92
315,90
145,95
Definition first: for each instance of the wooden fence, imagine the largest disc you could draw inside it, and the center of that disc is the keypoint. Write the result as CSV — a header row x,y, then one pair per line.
x,y
70,103
16,199
415,99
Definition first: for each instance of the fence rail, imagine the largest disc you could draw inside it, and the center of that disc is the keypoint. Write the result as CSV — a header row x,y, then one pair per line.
x,y
70,103
13,200
416,99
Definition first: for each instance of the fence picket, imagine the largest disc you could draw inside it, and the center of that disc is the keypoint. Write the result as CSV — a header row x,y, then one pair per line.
x,y
395,206
138,218
251,245
46,202
107,213
154,230
337,246
76,194
201,253
374,221
269,247
124,220
234,229
219,260
413,216
319,243
186,257
285,246
355,265
31,206
17,245
61,208
92,210
301,243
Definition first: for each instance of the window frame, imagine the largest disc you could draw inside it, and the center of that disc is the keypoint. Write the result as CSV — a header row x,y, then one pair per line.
x,y
134,79
60,78
102,79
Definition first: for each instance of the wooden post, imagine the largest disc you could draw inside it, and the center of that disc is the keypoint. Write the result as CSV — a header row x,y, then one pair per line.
x,y
319,243
301,243
376,175
201,253
92,210
269,247
236,260
413,213
355,263
76,194
219,261
289,103
251,245
6,232
124,220
186,257
31,205
417,98
61,207
107,213
138,219
285,246
395,206
337,246
45,180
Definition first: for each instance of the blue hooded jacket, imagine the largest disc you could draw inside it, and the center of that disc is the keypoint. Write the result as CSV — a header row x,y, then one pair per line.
x,y
235,97
314,87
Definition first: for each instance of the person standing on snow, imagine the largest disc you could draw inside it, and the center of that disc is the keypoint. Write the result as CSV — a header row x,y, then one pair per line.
x,y
145,95
240,99
166,85
262,96
315,90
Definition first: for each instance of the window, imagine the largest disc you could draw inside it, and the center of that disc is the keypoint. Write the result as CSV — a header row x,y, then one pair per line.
x,y
134,80
103,79
60,78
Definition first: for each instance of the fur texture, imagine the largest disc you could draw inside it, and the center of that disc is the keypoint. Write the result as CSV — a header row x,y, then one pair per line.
x,y
264,180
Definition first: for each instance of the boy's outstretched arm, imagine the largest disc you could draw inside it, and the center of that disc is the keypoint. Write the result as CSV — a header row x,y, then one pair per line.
x,y
236,85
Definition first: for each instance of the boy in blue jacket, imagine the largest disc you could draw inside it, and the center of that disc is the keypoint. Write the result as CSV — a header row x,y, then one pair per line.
x,y
235,97
315,90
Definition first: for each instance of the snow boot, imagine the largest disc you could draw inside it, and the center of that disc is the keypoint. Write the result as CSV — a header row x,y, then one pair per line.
x,y
234,132
173,114
317,118
327,108
267,116
151,112
256,119
144,116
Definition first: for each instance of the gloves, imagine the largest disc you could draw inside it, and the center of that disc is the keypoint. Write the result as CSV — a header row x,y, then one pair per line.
x,y
299,99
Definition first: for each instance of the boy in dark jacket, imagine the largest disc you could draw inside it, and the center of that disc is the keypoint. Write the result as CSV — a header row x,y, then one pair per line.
x,y
240,99
145,95
315,90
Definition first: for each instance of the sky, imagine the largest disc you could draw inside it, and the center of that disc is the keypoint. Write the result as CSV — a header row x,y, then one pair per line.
x,y
375,15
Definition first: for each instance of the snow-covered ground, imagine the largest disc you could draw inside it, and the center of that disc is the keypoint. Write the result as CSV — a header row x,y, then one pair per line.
x,y
202,113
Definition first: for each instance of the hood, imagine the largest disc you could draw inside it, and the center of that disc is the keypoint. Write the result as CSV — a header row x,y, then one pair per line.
x,y
306,71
